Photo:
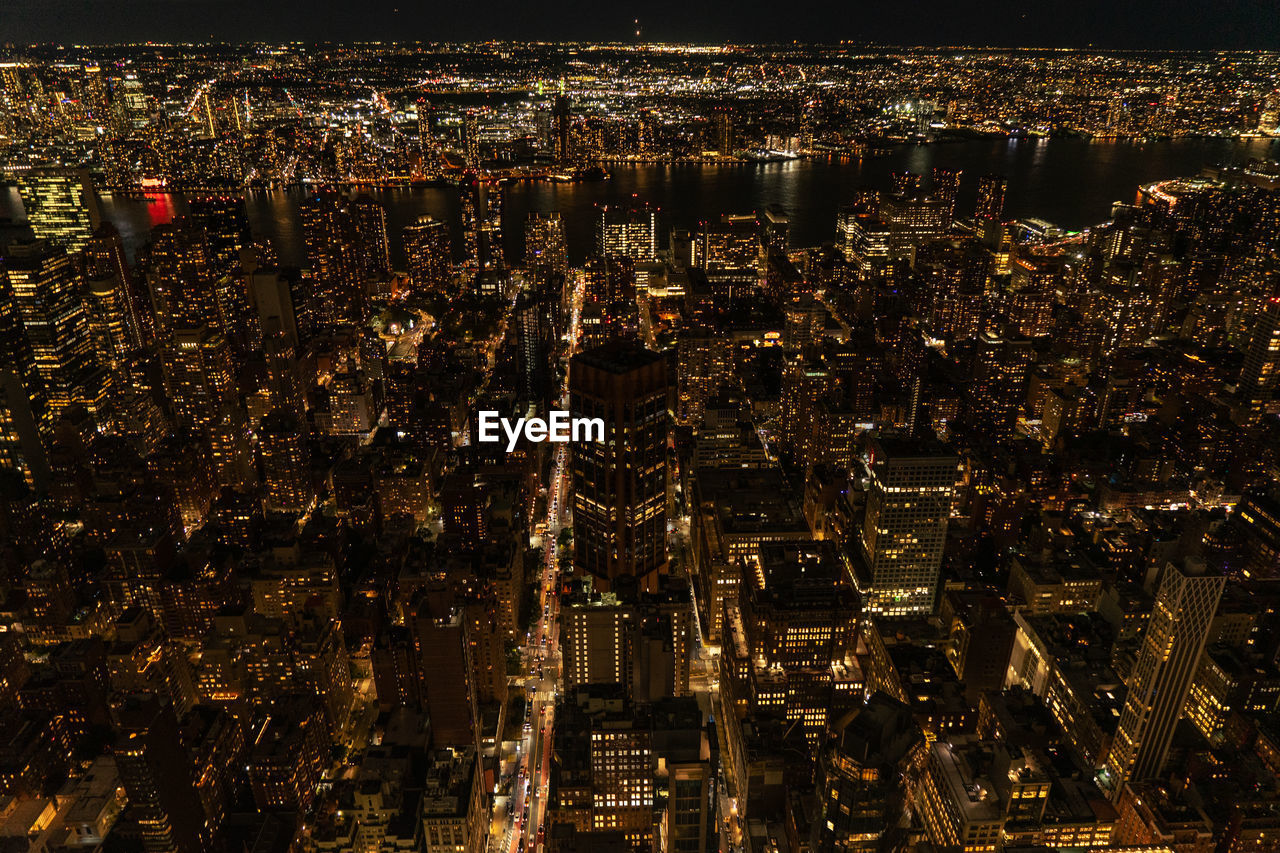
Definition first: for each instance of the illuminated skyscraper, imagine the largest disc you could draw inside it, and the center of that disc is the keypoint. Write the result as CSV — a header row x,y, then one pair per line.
x,y
776,229
991,190
1167,662
21,445
426,243
907,183
181,279
105,259
733,243
704,360
905,528
286,464
866,767
489,249
630,231
334,255
599,641
471,139
722,120
619,485
271,297
46,293
371,228
1032,289
998,386
545,254
946,187
108,307
1258,376
805,382
532,316
200,376
61,206
129,100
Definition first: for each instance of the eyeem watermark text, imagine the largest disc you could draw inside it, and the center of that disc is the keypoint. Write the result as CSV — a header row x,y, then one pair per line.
x,y
560,427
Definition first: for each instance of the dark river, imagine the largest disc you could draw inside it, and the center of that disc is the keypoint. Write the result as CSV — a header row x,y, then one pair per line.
x,y
1069,182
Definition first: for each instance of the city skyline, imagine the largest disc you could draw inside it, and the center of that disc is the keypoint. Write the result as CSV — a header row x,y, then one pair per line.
x,y
1143,25
930,498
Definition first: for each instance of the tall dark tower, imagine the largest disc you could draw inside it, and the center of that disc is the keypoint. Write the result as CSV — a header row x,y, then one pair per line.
x,y
156,774
998,385
560,113
946,186
724,130
471,139
991,189
620,484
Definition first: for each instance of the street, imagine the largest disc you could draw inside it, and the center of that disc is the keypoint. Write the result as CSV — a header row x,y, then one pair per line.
x,y
524,826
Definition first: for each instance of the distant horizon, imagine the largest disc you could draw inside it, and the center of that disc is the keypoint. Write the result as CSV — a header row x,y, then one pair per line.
x,y
1089,24
603,43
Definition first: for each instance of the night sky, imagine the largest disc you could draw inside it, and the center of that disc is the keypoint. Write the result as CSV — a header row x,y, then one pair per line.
x,y
1114,24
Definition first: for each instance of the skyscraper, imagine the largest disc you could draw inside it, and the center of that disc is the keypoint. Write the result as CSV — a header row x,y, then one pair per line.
x,y
46,292
225,225
181,279
723,128
630,231
775,228
533,346
1167,662
105,258
544,246
371,226
271,297
154,769
869,760
1257,384
489,197
729,252
907,183
21,447
620,484
997,389
286,464
991,189
599,641
805,382
448,682
334,255
109,314
427,247
946,187
905,528
471,139
60,206
200,376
